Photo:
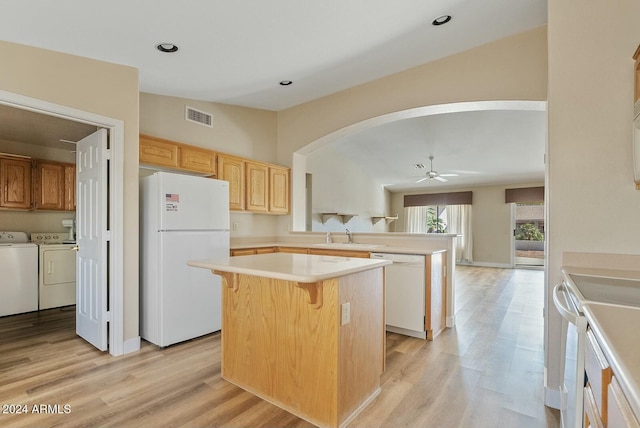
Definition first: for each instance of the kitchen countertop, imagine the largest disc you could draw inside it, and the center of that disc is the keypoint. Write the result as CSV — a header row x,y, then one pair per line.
x,y
291,267
616,328
374,248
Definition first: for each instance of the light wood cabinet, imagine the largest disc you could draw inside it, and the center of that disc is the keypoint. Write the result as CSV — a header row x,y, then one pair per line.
x,y
48,186
293,250
231,169
199,160
257,186
15,182
340,253
252,251
158,151
253,186
279,190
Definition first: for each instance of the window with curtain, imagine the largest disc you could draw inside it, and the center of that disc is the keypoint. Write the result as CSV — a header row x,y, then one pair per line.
x,y
451,213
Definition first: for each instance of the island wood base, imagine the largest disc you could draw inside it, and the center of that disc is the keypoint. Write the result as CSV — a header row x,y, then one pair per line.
x,y
283,341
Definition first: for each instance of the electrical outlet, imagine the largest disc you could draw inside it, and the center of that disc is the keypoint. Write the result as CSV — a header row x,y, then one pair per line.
x,y
234,226
346,313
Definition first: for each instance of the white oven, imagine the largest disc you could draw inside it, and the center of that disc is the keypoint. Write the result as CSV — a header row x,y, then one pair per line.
x,y
575,332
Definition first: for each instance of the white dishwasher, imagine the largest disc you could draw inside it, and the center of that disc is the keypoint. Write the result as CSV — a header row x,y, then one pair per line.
x,y
405,288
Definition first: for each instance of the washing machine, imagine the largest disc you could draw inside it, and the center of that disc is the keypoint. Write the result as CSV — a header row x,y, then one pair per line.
x,y
56,270
18,277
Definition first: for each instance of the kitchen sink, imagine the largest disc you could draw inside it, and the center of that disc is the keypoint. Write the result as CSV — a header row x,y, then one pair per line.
x,y
619,291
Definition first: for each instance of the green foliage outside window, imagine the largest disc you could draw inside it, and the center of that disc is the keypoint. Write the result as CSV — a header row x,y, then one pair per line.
x,y
529,232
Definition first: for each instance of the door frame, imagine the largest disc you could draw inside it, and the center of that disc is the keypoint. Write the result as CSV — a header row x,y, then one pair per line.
x,y
116,198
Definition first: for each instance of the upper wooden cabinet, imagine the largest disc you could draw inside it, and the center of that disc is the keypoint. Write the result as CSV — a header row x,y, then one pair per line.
x,y
171,154
157,151
257,186
253,186
54,186
70,187
231,169
279,190
48,186
37,184
15,182
200,160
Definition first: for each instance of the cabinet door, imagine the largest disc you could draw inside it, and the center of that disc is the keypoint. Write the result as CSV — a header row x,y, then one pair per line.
x,y
620,413
279,190
231,169
293,250
257,187
49,186
70,187
156,151
15,179
198,160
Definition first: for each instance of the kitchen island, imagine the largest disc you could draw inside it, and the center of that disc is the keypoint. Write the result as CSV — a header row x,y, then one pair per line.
x,y
304,332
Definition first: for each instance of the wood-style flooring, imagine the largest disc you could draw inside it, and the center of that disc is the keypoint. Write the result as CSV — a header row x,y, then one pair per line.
x,y
485,372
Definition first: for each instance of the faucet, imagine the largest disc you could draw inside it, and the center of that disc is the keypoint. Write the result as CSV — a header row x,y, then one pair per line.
x,y
349,237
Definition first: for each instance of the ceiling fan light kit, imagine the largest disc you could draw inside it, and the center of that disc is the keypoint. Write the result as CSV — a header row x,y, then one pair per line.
x,y
433,175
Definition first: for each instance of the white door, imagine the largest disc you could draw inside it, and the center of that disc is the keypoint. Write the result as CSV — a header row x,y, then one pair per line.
x,y
91,239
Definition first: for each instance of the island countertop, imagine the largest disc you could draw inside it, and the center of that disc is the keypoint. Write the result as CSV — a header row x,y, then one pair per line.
x,y
291,267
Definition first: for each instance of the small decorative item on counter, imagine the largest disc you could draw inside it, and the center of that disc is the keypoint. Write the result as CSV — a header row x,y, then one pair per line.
x,y
329,238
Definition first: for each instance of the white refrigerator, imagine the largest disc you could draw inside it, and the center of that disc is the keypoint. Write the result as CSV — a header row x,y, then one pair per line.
x,y
182,218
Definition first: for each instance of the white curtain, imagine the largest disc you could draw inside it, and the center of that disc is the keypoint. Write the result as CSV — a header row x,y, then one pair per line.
x,y
459,221
415,219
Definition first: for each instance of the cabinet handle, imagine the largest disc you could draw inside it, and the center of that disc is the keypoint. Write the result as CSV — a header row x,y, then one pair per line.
x,y
50,268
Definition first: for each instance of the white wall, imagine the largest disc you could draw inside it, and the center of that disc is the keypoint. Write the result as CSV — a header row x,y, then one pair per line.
x,y
340,185
592,201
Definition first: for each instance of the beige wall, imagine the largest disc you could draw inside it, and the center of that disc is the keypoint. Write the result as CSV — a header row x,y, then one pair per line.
x,y
491,221
593,205
340,185
514,68
106,89
241,131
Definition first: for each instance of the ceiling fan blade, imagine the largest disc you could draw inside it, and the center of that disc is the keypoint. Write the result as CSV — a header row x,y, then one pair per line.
x,y
421,180
448,175
439,178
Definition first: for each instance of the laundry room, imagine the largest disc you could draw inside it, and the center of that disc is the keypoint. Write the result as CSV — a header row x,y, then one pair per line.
x,y
37,208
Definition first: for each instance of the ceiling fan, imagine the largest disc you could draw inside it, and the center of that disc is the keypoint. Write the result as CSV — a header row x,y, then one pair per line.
x,y
433,175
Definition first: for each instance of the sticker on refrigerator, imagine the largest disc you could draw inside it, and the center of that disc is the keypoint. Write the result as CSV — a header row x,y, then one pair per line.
x,y
171,201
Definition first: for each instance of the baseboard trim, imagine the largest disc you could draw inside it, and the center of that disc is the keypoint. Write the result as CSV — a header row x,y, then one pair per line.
x,y
131,345
552,397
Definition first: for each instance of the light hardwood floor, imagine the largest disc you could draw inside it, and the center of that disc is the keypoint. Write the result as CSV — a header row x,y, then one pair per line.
x,y
486,372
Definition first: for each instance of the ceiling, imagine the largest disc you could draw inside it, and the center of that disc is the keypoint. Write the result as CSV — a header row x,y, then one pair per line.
x,y
238,52
482,147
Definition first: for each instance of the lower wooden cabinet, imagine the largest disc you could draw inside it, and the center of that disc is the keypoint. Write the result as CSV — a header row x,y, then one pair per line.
x,y
15,183
251,251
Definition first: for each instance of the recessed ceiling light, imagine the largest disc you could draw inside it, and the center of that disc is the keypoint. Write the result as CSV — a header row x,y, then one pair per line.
x,y
167,47
441,20
286,82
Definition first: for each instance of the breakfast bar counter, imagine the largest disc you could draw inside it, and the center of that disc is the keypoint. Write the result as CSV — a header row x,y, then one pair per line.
x,y
304,332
